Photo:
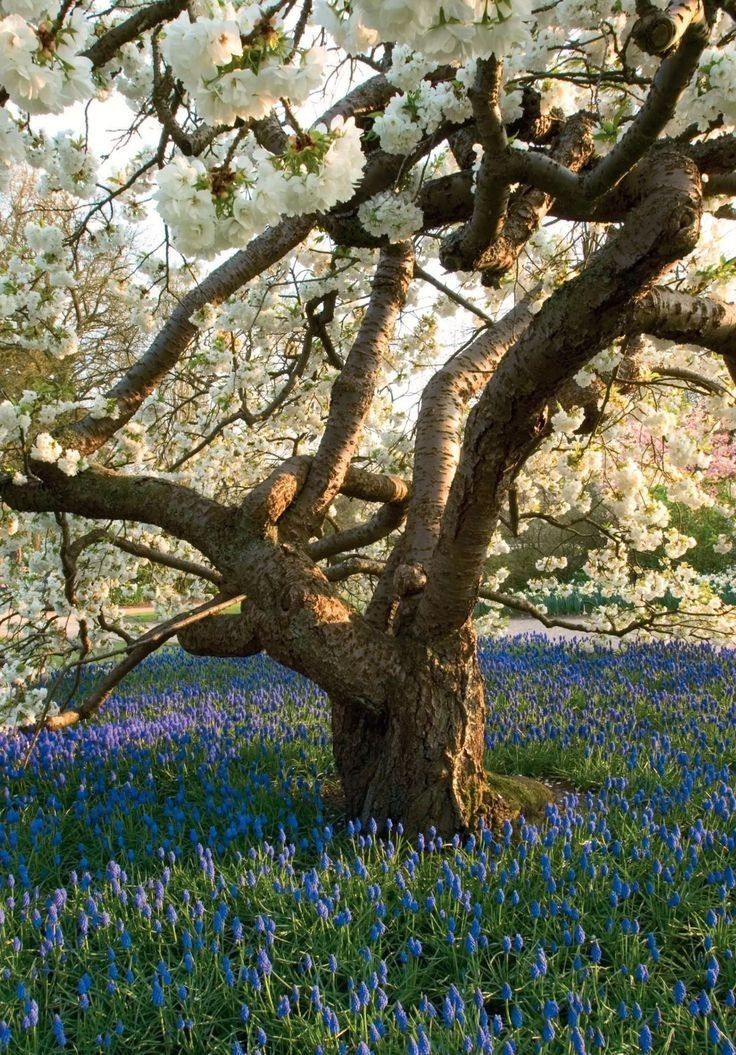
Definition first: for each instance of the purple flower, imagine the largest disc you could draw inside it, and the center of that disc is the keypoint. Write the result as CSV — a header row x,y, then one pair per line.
x,y
158,998
57,1028
645,1039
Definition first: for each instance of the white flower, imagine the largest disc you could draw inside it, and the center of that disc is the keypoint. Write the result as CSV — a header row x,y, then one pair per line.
x,y
70,462
195,50
677,544
391,214
397,131
550,564
568,423
408,68
723,545
11,145
584,378
46,449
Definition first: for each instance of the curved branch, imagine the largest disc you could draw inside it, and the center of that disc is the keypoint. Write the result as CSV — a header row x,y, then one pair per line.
x,y
388,518
438,430
102,494
579,319
145,18
529,205
706,321
353,391
353,566
690,377
223,635
188,567
670,81
90,433
520,604
463,249
137,652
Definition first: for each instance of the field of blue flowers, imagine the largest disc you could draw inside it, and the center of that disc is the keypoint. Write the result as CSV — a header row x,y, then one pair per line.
x,y
177,877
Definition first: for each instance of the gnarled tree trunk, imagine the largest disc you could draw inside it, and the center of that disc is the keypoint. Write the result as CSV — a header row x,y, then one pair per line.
x,y
422,760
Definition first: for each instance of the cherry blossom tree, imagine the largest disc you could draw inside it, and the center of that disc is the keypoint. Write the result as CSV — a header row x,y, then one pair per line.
x,y
362,291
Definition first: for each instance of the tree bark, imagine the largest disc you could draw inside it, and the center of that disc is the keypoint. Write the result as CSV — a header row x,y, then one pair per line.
x,y
421,761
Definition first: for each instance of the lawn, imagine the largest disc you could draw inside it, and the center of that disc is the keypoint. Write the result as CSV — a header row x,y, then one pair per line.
x,y
177,877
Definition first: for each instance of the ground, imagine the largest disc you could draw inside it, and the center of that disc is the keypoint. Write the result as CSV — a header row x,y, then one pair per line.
x,y
174,878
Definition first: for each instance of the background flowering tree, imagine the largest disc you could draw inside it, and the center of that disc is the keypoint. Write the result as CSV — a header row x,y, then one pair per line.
x,y
480,280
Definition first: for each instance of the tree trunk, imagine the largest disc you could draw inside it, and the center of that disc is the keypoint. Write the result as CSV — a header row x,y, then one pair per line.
x,y
422,762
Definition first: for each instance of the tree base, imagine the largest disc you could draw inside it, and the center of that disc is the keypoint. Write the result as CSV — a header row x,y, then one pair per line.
x,y
505,799
421,763
518,796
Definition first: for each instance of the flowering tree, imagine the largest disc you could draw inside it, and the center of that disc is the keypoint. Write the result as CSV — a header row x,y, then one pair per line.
x,y
520,214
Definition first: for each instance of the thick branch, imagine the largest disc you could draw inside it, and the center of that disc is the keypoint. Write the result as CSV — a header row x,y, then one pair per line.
x,y
303,623
658,31
366,98
102,494
267,503
90,433
374,487
105,47
670,81
269,500
353,391
706,321
388,518
463,249
582,317
438,431
353,566
223,635
529,205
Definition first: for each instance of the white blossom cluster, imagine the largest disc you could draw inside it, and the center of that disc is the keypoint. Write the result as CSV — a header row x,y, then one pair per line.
x,y
229,79
391,214
12,147
457,29
41,69
209,210
407,118
67,164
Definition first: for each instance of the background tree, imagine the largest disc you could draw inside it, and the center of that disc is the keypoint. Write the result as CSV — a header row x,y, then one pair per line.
x,y
568,169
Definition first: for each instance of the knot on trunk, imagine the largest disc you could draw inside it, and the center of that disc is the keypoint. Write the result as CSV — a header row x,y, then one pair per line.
x,y
409,579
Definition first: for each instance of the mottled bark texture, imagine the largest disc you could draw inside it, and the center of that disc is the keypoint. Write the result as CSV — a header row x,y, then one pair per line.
x,y
421,761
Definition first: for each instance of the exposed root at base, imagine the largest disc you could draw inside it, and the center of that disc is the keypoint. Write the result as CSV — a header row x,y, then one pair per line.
x,y
508,798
